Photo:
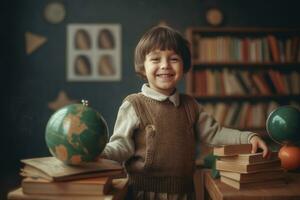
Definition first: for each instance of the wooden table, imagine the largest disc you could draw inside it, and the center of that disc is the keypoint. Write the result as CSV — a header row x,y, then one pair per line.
x,y
216,190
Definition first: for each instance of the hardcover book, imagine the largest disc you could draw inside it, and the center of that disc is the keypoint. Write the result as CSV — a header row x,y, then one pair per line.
x,y
247,168
250,158
227,150
254,177
262,184
118,192
53,169
89,186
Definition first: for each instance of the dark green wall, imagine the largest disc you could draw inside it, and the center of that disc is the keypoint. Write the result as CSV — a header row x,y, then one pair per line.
x,y
29,82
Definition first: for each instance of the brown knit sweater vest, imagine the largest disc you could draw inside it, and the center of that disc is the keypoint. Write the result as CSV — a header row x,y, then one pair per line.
x,y
164,145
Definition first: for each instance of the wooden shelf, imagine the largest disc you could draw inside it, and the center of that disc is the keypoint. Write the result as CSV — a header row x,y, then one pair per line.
x,y
255,62
248,97
247,30
248,66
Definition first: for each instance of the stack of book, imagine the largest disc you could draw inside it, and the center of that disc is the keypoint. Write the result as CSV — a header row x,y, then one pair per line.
x,y
48,178
241,169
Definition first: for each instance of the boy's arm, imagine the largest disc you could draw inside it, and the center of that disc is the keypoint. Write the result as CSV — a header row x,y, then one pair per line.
x,y
121,145
212,133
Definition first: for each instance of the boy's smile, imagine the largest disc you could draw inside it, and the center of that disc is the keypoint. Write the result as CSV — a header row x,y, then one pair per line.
x,y
163,69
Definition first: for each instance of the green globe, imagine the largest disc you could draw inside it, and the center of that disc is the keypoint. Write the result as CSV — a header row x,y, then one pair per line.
x,y
283,125
76,134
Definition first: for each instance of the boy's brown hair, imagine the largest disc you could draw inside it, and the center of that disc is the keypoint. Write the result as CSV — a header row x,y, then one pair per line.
x,y
162,38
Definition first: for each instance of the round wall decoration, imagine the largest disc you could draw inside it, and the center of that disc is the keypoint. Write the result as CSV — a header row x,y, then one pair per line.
x,y
214,16
55,12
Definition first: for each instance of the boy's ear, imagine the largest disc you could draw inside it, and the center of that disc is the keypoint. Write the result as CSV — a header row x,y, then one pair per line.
x,y
143,73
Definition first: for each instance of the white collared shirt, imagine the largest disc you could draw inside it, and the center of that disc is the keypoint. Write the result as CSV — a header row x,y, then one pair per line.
x,y
121,145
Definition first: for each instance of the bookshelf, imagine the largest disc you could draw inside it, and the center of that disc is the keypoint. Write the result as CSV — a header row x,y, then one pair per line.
x,y
241,74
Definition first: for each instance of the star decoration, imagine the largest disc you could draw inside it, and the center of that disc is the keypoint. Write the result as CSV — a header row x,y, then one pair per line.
x,y
61,101
162,23
33,42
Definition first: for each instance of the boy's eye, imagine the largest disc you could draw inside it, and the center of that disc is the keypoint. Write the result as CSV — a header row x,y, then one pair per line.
x,y
175,59
154,59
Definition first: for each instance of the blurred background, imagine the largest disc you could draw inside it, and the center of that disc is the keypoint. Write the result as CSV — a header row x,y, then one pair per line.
x,y
30,81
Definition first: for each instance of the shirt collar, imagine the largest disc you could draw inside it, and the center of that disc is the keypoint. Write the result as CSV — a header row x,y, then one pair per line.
x,y
149,92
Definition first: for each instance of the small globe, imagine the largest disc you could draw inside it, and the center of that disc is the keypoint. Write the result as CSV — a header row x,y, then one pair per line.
x,y
76,134
283,125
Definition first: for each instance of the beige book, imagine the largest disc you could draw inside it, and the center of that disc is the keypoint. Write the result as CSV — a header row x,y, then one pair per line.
x,y
232,149
118,192
53,169
88,186
250,158
247,168
260,184
254,177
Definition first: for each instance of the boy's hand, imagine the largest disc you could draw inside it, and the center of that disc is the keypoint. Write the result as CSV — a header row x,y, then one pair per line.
x,y
257,142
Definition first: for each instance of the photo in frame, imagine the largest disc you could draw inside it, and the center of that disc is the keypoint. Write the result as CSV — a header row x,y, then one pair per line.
x,y
94,52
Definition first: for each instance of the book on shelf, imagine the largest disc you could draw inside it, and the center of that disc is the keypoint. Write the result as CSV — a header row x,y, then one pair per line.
x,y
88,186
53,169
211,84
250,158
295,79
233,108
220,112
118,192
274,48
243,115
200,83
295,48
247,168
259,184
261,84
232,149
254,177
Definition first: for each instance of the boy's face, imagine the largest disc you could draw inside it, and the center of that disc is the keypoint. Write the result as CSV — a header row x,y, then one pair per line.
x,y
163,69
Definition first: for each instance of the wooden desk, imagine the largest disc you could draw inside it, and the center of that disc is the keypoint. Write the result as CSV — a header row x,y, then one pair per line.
x,y
220,191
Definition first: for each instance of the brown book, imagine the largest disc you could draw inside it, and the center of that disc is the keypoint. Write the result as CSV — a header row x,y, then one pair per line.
x,y
53,169
89,186
261,84
250,158
236,149
247,168
260,184
200,83
273,44
254,177
118,192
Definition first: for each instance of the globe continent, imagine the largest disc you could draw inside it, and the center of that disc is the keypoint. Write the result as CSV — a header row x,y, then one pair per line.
x,y
76,134
283,125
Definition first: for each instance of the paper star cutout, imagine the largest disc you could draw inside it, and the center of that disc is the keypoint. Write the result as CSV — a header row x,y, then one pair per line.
x,y
61,101
33,42
162,23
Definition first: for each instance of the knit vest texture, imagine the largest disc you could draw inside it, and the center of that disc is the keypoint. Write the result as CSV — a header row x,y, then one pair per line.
x,y
164,158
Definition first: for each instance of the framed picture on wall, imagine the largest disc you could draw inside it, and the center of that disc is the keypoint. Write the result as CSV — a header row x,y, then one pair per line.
x,y
94,52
